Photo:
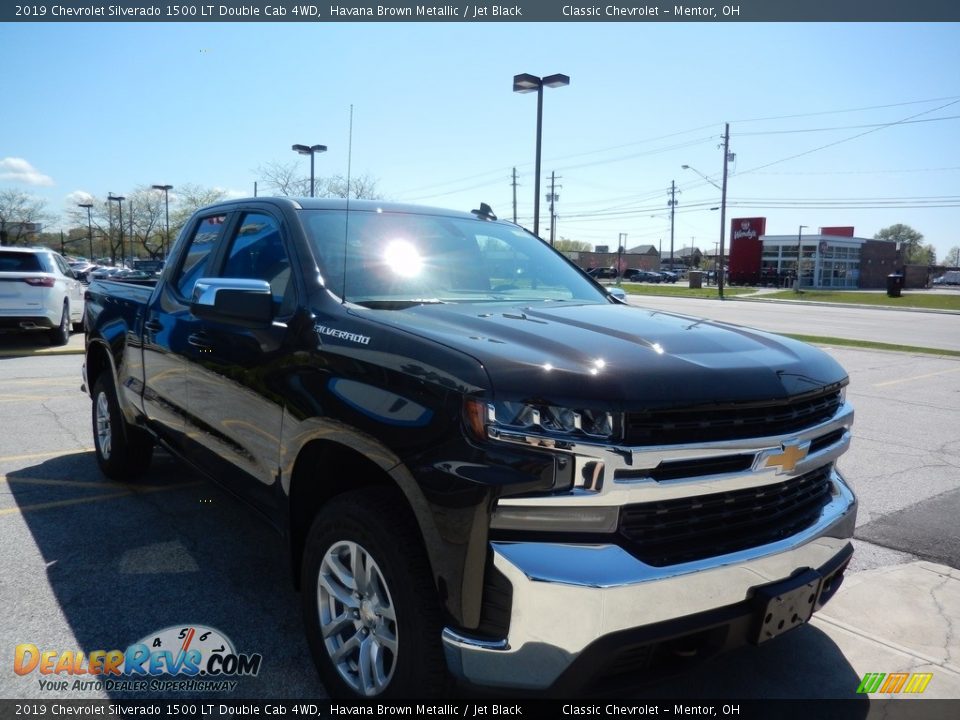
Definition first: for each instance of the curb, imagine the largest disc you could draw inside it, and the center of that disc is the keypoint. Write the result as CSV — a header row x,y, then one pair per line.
x,y
76,346
817,303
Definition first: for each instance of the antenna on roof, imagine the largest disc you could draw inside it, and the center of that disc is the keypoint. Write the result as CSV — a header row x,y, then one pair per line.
x,y
346,219
485,212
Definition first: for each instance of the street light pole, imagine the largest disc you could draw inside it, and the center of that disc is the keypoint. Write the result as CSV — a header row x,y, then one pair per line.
x,y
799,237
89,207
119,200
166,203
524,83
311,150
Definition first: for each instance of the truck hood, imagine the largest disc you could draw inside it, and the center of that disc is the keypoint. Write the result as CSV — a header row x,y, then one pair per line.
x,y
614,356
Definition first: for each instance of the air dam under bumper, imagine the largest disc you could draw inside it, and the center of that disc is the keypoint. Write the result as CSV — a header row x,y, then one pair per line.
x,y
567,597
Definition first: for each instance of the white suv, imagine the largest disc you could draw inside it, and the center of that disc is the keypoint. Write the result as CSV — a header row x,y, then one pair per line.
x,y
39,291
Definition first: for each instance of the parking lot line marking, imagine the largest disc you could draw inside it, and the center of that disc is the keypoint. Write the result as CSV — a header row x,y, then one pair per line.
x,y
17,398
41,381
128,490
917,377
51,453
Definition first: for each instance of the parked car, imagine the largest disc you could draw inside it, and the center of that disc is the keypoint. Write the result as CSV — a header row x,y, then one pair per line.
x,y
602,273
668,276
638,275
39,291
951,277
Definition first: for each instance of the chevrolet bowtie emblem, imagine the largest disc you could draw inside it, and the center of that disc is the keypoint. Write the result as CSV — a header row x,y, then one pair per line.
x,y
785,459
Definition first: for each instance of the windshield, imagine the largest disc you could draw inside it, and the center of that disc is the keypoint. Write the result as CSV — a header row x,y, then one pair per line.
x,y
401,259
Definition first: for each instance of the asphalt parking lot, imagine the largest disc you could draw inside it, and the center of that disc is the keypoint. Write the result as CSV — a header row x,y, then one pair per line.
x,y
96,565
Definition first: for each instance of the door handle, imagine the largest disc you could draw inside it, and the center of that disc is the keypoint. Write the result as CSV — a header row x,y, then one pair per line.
x,y
199,340
153,325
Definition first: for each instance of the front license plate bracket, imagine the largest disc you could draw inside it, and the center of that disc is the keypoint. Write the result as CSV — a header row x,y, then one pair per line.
x,y
785,605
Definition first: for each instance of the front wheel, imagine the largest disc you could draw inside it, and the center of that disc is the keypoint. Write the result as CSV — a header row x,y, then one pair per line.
x,y
370,607
123,451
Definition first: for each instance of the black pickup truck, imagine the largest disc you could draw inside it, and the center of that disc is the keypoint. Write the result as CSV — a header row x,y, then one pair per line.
x,y
486,468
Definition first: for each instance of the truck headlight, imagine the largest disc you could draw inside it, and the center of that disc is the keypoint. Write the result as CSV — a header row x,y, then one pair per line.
x,y
540,420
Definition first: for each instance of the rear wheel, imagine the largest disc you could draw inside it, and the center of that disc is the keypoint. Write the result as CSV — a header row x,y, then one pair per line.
x,y
60,335
123,451
370,607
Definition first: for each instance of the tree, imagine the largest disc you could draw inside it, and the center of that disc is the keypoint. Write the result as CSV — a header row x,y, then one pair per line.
x,y
19,213
926,255
908,241
188,199
953,257
287,179
567,245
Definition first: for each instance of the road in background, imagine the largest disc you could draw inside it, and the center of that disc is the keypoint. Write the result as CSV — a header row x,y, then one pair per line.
x,y
899,327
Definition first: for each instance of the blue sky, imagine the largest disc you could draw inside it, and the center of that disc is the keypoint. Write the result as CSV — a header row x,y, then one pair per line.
x,y
97,108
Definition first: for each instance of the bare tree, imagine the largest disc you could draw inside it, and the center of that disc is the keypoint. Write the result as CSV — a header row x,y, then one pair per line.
x,y
284,179
19,214
287,179
147,219
953,257
188,199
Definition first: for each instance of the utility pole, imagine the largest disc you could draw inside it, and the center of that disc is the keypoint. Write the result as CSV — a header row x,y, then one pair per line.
x,y
723,206
672,202
553,197
621,246
514,183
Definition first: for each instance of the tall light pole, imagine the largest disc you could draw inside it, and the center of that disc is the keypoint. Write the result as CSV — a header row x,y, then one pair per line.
x,y
89,207
524,83
119,200
166,203
799,238
311,150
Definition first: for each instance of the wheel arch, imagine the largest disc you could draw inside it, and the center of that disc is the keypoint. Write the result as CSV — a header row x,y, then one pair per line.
x,y
346,469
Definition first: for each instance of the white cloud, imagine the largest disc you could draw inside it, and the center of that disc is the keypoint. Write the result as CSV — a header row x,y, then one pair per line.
x,y
19,170
79,196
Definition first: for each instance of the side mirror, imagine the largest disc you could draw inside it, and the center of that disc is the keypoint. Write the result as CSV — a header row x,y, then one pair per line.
x,y
236,301
618,294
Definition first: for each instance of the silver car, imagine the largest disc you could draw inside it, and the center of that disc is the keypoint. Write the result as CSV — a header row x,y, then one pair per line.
x,y
39,291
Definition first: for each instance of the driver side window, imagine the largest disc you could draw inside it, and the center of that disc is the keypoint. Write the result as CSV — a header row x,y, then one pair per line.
x,y
257,252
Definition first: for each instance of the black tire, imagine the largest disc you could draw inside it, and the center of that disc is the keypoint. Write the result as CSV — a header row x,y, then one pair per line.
x,y
123,452
60,335
394,630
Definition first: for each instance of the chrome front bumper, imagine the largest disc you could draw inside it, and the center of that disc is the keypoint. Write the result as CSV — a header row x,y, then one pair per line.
x,y
566,597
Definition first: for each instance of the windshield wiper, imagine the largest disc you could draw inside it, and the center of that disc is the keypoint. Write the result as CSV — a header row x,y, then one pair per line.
x,y
398,304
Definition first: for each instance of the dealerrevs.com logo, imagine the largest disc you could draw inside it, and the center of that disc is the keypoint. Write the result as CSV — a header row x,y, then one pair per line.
x,y
186,658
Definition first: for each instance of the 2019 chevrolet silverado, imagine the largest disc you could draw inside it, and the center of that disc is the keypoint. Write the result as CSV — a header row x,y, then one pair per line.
x,y
485,468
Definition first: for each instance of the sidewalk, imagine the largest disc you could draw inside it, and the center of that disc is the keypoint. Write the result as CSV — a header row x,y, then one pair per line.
x,y
899,619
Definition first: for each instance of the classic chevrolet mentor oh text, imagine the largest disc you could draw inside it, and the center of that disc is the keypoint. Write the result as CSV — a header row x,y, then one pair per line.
x,y
485,467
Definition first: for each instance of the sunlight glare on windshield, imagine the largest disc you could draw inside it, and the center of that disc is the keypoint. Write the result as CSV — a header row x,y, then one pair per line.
x,y
403,258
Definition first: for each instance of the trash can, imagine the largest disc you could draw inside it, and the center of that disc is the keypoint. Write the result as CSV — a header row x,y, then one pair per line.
x,y
894,285
696,279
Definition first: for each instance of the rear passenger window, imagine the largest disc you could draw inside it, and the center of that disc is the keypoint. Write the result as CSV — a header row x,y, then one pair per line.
x,y
202,243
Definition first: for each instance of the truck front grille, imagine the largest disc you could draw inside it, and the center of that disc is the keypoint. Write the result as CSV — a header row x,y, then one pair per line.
x,y
735,421
693,528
